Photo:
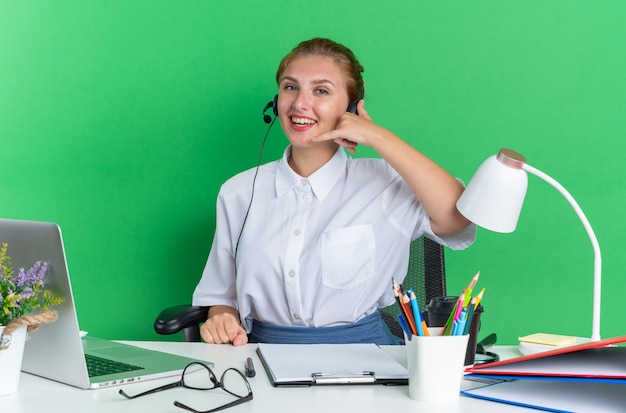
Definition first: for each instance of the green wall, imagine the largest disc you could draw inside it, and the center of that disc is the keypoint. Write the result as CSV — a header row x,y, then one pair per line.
x,y
120,119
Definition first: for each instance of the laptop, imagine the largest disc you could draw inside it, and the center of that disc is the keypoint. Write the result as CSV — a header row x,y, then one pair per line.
x,y
58,351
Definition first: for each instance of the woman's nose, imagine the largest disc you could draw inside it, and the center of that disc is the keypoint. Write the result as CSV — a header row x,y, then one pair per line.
x,y
300,101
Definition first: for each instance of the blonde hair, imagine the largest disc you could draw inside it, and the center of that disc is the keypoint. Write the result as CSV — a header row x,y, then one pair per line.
x,y
343,56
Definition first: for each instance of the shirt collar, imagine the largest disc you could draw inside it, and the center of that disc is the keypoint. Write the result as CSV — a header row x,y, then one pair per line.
x,y
321,181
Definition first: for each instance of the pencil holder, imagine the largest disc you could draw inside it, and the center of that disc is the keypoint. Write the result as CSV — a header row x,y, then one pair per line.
x,y
438,311
435,365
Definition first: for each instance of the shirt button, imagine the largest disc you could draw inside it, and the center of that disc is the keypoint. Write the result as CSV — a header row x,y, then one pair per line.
x,y
305,197
296,316
292,273
297,232
303,182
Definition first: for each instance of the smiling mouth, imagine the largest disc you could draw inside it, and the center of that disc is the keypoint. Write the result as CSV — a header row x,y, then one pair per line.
x,y
302,121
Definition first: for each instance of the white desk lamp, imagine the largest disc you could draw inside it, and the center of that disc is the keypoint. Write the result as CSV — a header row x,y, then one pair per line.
x,y
493,200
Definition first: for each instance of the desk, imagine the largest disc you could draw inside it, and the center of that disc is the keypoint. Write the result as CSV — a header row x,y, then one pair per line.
x,y
40,395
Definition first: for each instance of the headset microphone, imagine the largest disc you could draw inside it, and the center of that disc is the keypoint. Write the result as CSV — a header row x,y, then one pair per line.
x,y
271,104
267,118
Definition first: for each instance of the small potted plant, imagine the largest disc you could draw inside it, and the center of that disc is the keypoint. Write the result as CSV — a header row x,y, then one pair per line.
x,y
24,306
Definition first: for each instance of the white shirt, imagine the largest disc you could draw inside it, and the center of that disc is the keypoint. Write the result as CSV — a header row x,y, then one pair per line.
x,y
317,251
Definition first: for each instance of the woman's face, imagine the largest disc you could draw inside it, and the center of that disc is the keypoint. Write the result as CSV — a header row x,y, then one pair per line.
x,y
312,96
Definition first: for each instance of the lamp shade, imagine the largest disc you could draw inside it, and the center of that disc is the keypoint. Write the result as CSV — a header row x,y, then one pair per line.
x,y
494,197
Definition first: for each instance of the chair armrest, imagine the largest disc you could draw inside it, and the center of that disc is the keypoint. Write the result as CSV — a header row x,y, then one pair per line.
x,y
185,318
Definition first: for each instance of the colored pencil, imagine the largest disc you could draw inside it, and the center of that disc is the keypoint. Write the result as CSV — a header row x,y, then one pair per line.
x,y
406,304
406,310
479,298
470,314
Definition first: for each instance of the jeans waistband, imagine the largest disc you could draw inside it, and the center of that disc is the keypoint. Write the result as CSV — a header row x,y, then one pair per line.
x,y
370,329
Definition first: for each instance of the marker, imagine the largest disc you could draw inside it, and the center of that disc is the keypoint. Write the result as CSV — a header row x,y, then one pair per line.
x,y
250,372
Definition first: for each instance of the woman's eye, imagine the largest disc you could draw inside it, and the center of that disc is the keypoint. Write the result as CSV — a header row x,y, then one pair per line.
x,y
290,88
321,91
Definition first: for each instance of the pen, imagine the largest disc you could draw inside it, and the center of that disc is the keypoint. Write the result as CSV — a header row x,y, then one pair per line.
x,y
250,372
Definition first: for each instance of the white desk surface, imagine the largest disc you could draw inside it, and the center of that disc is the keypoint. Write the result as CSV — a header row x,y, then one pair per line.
x,y
40,395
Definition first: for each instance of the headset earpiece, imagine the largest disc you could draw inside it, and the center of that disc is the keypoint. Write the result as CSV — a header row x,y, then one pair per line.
x,y
352,106
271,104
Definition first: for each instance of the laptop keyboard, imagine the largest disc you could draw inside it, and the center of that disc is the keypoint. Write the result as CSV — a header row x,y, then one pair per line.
x,y
97,366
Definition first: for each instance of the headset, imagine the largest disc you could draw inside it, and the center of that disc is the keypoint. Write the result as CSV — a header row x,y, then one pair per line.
x,y
273,104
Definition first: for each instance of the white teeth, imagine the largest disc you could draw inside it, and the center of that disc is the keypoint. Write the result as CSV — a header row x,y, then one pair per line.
x,y
302,121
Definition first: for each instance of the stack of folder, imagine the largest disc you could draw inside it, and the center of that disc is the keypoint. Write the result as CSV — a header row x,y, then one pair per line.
x,y
588,377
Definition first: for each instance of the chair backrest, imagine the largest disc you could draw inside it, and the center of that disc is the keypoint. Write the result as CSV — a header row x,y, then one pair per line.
x,y
426,275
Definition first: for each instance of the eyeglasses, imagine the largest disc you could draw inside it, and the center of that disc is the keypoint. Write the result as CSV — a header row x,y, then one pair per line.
x,y
199,376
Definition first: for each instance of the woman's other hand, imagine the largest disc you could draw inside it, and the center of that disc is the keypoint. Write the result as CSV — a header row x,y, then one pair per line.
x,y
223,326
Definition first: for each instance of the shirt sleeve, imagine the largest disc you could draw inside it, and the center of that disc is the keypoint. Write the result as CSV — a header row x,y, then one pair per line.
x,y
217,285
457,241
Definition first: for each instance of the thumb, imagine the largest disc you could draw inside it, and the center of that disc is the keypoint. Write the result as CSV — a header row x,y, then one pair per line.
x,y
241,338
361,110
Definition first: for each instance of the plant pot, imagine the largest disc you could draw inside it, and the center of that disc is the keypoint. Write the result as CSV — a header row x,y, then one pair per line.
x,y
11,352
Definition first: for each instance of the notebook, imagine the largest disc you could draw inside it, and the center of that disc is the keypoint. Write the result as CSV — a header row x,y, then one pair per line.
x,y
56,350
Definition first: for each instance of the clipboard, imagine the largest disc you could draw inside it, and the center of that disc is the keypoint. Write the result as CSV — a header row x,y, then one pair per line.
x,y
290,365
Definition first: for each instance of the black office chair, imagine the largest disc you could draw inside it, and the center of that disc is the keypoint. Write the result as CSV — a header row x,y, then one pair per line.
x,y
425,275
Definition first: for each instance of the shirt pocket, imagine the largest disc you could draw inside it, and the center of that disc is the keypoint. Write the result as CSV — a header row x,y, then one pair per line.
x,y
348,256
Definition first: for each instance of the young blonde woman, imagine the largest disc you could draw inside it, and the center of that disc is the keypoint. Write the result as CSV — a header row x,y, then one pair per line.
x,y
310,259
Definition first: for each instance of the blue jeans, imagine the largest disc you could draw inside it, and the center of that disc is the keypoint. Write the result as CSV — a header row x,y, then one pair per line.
x,y
370,329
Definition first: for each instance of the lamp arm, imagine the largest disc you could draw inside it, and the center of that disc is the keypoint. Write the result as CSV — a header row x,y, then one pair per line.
x,y
597,263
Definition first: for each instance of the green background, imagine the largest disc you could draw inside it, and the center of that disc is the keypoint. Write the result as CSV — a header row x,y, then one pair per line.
x,y
120,119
